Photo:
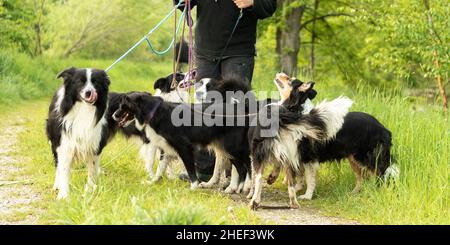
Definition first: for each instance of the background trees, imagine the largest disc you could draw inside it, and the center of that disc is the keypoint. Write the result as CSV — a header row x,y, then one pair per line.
x,y
387,44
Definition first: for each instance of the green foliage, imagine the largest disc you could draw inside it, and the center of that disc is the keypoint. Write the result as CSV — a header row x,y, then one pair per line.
x,y
380,43
15,19
23,78
102,28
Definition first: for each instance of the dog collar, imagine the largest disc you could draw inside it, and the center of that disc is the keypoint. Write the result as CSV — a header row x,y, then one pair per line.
x,y
153,111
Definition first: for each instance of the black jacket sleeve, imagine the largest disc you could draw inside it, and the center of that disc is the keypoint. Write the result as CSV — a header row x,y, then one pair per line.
x,y
264,8
181,7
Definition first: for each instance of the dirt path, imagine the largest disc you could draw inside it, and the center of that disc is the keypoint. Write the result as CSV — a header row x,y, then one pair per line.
x,y
16,196
275,210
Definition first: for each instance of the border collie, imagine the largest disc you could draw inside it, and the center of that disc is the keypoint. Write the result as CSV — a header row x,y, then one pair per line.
x,y
76,125
363,140
153,115
227,91
320,124
169,90
232,91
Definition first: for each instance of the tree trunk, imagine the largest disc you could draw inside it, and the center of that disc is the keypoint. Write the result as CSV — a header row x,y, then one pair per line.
x,y
39,8
438,40
439,82
313,40
288,35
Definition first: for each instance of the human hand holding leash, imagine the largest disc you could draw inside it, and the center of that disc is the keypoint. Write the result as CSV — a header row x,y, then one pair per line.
x,y
243,3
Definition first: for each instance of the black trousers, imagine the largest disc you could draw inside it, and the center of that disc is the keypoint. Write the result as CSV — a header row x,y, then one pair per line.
x,y
233,67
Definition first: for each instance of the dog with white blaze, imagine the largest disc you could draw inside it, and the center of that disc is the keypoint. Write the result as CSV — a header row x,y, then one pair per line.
x,y
76,125
232,91
362,139
320,124
171,88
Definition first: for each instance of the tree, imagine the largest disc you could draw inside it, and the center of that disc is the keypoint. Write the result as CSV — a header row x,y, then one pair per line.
x,y
288,33
15,18
438,41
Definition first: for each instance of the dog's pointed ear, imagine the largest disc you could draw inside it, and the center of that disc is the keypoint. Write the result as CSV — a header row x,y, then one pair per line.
x,y
179,76
305,87
159,84
106,78
67,73
312,94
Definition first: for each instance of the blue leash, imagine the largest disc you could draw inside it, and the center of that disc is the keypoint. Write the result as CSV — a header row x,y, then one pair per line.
x,y
145,38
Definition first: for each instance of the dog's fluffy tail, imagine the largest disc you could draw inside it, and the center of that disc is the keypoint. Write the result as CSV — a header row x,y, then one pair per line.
x,y
331,114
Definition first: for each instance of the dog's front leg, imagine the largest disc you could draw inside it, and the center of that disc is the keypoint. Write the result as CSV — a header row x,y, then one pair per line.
x,y
93,164
218,170
300,178
247,183
252,183
293,203
186,154
256,199
310,172
65,156
162,166
148,152
234,183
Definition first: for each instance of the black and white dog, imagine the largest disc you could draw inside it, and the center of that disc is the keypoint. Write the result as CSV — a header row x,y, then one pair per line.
x,y
171,90
77,127
362,139
234,91
155,116
80,122
321,124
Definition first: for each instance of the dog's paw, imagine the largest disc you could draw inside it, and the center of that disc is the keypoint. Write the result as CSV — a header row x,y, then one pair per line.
x,y
230,190
254,205
62,195
156,179
206,185
294,205
194,185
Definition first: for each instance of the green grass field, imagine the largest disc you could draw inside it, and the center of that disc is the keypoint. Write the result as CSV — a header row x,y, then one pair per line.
x,y
421,138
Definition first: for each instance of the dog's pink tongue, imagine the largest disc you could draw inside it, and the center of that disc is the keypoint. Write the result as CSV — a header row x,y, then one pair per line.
x,y
93,97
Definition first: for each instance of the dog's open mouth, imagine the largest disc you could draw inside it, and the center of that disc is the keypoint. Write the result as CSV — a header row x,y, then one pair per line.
x,y
279,83
123,120
91,99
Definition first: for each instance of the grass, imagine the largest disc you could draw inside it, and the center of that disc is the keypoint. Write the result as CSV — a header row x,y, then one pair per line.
x,y
421,148
26,79
122,196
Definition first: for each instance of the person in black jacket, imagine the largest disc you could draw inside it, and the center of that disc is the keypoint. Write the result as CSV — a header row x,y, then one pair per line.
x,y
216,20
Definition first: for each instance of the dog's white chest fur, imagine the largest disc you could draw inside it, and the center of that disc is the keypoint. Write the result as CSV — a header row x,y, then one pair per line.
x,y
81,130
285,147
156,139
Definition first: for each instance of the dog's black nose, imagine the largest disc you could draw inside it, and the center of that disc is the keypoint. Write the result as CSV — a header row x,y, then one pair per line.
x,y
87,94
